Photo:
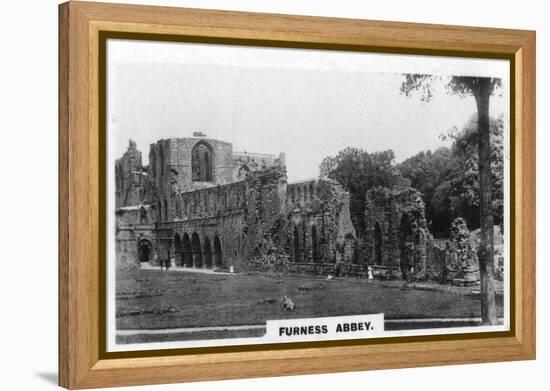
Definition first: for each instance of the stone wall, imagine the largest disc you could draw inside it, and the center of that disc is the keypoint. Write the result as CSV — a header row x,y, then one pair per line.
x,y
250,223
170,164
131,181
246,162
436,269
131,241
317,227
396,231
227,220
207,202
265,200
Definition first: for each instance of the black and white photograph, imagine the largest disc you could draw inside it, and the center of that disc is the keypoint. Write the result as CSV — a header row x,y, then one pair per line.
x,y
270,195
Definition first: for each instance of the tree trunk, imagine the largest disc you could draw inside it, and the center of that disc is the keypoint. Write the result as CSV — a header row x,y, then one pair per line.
x,y
486,245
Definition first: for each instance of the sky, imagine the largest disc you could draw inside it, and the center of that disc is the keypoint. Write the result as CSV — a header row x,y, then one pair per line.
x,y
308,104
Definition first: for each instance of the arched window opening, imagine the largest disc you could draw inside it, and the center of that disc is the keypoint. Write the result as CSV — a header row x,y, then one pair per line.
x,y
178,250
159,211
218,259
296,245
314,245
377,244
161,161
187,253
153,164
207,253
144,251
177,200
197,250
212,202
201,163
142,215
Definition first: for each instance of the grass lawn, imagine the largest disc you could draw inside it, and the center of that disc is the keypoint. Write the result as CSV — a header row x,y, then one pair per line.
x,y
154,299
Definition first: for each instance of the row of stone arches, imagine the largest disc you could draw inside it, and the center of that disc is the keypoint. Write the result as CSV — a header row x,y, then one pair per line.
x,y
405,238
205,201
301,192
302,251
191,251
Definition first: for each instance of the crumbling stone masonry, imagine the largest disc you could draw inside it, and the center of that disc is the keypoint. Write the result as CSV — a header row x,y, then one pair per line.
x,y
397,238
462,266
199,204
320,236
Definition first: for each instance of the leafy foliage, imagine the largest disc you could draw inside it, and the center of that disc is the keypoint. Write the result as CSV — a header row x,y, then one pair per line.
x,y
449,177
457,85
481,88
268,257
358,171
460,239
428,172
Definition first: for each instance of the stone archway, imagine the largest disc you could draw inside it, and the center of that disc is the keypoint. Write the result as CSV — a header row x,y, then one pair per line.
x,y
178,250
144,251
207,253
197,250
218,256
187,253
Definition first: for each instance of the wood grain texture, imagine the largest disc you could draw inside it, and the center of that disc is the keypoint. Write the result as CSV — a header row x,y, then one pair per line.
x,y
80,24
64,353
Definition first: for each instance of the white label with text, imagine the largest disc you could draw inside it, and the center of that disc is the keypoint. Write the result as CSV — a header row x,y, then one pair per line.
x,y
330,328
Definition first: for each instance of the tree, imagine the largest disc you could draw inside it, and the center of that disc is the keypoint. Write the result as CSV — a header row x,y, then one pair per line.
x,y
448,178
465,150
428,171
481,88
358,171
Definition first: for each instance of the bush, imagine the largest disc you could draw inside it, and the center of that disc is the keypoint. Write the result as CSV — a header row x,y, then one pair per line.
x,y
268,257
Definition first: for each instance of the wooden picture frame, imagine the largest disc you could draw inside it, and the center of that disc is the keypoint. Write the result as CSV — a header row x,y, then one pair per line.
x,y
83,363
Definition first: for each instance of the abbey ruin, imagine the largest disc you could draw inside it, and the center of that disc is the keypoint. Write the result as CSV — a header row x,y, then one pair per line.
x,y
199,204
